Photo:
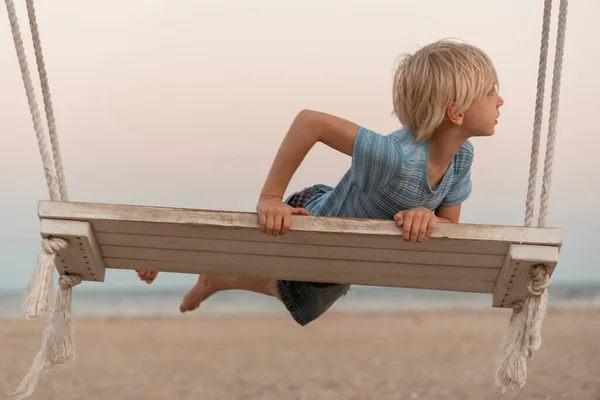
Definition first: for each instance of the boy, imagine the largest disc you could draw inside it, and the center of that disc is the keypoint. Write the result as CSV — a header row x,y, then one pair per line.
x,y
443,94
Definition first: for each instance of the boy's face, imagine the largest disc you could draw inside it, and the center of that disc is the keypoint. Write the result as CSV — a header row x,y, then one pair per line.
x,y
482,116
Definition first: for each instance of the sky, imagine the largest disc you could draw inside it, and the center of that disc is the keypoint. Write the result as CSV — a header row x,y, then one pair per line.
x,y
185,104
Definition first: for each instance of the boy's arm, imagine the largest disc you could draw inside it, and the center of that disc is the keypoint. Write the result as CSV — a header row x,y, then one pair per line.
x,y
449,214
308,128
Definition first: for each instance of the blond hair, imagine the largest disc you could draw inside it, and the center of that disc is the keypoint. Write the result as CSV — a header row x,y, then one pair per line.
x,y
437,75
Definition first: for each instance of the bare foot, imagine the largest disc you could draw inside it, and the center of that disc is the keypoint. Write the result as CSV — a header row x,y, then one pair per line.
x,y
208,285
202,290
147,276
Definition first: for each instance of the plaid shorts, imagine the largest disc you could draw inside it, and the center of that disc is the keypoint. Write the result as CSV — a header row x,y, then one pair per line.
x,y
306,301
302,198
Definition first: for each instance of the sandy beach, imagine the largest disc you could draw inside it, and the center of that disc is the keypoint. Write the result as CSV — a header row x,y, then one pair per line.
x,y
401,355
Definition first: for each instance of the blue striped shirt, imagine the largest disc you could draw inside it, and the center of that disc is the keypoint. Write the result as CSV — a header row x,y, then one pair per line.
x,y
389,173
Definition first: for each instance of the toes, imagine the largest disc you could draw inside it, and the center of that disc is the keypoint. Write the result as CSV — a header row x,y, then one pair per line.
x,y
194,298
188,303
183,307
186,306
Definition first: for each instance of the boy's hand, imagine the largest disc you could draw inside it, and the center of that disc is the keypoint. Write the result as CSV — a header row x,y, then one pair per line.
x,y
275,216
417,224
147,276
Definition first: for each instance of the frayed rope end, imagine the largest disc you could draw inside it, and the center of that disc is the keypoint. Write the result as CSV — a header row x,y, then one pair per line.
x,y
523,338
58,339
38,293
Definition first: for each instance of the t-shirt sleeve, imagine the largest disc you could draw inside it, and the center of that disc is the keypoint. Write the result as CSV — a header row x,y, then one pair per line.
x,y
462,187
375,159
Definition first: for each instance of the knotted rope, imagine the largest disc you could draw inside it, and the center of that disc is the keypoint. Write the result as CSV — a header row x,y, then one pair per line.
x,y
523,338
57,343
38,299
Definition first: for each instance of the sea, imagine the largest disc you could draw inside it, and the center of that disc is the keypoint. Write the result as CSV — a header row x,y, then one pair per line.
x,y
164,301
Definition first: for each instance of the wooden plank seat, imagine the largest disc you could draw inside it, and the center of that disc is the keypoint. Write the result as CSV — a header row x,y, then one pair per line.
x,y
459,257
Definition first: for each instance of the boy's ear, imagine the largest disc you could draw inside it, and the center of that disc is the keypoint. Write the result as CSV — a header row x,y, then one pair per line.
x,y
453,116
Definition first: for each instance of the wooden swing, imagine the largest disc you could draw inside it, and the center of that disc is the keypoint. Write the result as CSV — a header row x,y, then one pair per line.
x,y
459,257
81,240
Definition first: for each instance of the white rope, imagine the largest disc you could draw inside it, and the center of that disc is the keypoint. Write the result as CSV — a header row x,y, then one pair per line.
x,y
554,104
539,112
524,334
38,294
38,299
39,291
523,338
37,45
45,150
58,339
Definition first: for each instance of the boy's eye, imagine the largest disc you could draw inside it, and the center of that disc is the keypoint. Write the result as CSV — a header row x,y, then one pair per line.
x,y
494,90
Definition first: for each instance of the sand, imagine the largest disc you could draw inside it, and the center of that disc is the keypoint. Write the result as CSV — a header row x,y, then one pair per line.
x,y
404,355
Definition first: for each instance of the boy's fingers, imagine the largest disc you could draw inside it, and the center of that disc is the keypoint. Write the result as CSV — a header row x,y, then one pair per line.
x,y
406,226
423,230
300,211
277,223
416,225
288,219
262,218
398,218
269,224
287,223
